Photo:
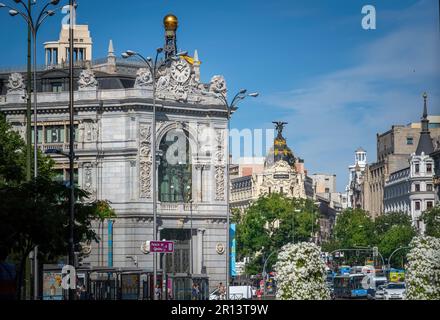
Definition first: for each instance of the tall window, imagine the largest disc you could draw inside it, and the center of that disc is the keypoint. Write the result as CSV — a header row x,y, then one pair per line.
x,y
417,205
57,87
39,134
54,134
429,205
429,168
417,187
417,168
175,171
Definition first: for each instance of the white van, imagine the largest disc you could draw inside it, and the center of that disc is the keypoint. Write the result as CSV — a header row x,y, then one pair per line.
x,y
235,293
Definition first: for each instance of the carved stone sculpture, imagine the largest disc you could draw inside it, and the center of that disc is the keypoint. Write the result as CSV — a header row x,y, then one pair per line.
x,y
87,80
16,83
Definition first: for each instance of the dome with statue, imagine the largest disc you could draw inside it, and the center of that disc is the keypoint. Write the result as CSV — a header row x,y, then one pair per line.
x,y
280,150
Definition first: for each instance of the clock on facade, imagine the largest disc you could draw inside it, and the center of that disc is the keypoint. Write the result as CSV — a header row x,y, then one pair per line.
x,y
180,71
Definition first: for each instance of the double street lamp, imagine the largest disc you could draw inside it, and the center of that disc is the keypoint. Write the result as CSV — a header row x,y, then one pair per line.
x,y
153,67
231,108
34,24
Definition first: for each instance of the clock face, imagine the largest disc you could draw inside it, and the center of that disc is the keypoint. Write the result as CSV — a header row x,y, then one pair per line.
x,y
180,71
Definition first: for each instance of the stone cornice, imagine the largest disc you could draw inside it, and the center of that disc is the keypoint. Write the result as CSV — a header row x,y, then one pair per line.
x,y
132,104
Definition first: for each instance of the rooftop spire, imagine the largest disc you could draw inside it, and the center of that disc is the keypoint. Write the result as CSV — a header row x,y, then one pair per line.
x,y
111,50
425,142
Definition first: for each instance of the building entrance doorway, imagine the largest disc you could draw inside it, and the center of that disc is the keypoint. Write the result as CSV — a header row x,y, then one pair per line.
x,y
179,260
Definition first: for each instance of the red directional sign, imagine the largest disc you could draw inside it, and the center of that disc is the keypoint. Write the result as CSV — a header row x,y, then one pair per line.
x,y
162,246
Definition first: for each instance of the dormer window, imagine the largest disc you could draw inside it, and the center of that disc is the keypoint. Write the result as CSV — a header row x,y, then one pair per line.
x,y
429,168
417,168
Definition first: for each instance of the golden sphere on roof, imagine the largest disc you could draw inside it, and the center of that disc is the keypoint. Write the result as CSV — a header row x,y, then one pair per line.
x,y
170,22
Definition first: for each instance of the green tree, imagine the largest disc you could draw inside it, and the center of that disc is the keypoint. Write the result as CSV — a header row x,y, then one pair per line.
x,y
353,229
393,231
431,218
35,214
270,223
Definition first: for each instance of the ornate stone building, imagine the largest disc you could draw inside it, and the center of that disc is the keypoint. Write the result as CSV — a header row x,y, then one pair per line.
x,y
355,179
113,141
394,147
283,173
411,189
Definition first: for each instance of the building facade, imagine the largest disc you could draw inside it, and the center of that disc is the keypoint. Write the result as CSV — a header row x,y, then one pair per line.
x,y
355,178
113,145
393,150
436,180
282,173
411,189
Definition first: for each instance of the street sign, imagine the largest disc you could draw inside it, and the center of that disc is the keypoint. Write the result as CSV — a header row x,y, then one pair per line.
x,y
162,246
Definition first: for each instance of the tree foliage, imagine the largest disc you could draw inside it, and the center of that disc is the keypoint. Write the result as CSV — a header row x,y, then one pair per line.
x,y
269,224
13,157
355,229
431,218
393,231
35,213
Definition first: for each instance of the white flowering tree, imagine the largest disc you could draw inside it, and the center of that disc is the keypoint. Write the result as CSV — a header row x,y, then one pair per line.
x,y
423,269
300,273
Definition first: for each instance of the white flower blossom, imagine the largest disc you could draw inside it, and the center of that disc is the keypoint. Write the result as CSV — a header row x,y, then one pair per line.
x,y
300,273
423,269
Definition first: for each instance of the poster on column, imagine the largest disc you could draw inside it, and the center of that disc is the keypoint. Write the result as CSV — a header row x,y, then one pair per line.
x,y
233,247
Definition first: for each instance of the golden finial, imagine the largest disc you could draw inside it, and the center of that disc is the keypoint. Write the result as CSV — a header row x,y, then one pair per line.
x,y
170,22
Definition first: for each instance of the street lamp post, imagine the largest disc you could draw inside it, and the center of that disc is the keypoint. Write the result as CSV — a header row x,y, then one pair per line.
x,y
153,67
264,272
231,107
392,254
33,27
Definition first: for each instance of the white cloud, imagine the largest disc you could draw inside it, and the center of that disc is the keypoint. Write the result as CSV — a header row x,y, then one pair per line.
x,y
337,112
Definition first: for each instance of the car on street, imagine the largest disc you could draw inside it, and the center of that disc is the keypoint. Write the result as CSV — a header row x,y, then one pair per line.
x,y
375,283
395,291
235,293
379,293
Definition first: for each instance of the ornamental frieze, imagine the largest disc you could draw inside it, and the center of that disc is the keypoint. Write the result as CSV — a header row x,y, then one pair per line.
x,y
145,160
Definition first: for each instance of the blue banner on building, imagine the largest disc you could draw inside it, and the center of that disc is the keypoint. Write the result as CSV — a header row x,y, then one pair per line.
x,y
233,247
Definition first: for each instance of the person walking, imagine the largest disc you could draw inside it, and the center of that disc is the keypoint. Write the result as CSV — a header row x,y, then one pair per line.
x,y
158,292
194,292
222,291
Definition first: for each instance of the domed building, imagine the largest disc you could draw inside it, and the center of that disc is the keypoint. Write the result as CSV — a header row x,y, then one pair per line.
x,y
282,173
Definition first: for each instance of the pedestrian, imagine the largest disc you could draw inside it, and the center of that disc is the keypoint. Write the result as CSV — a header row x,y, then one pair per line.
x,y
83,293
198,291
194,292
222,291
157,292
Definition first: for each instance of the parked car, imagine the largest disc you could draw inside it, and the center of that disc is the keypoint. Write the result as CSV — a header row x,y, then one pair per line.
x,y
395,291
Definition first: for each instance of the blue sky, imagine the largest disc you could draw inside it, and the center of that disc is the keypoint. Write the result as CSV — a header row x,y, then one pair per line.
x,y
315,67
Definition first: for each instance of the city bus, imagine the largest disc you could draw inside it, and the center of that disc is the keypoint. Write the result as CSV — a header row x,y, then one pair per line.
x,y
348,286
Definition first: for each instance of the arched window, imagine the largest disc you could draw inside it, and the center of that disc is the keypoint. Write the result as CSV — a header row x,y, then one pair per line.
x,y
175,169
